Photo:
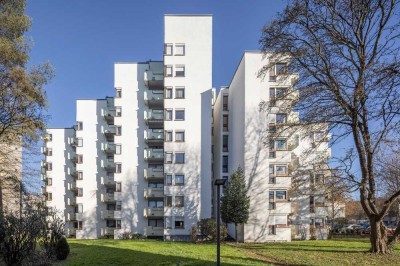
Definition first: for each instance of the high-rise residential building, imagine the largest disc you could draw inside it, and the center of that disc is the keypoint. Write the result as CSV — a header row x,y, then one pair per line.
x,y
144,160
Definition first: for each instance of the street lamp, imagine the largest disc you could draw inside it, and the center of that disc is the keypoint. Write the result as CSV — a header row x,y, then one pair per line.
x,y
218,183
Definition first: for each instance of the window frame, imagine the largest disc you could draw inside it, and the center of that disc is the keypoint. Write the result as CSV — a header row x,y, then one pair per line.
x,y
177,132
180,73
175,157
179,89
177,45
179,110
166,46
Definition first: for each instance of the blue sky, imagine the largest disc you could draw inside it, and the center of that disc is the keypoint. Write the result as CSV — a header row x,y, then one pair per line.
x,y
82,40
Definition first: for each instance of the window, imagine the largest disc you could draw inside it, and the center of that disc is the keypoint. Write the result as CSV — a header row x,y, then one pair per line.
x,y
168,201
225,103
80,192
224,164
168,180
281,195
272,129
79,208
168,114
179,201
179,222
179,157
118,224
118,149
168,71
225,143
155,222
49,182
118,206
49,166
168,49
80,175
225,123
179,180
271,169
118,168
49,196
271,195
281,68
281,144
179,93
179,114
80,126
179,71
80,142
272,180
155,185
118,130
272,229
118,93
168,136
272,155
168,222
118,187
79,225
272,206
281,169
80,158
155,203
168,157
49,152
180,49
49,137
118,111
180,136
281,118
168,93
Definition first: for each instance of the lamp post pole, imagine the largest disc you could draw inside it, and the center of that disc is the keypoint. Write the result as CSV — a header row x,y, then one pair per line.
x,y
218,183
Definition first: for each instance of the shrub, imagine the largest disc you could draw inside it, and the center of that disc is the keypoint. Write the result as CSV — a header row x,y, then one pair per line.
x,y
62,249
208,229
136,236
126,235
313,232
194,234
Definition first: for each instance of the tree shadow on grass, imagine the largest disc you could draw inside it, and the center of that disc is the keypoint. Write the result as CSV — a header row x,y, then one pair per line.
x,y
82,254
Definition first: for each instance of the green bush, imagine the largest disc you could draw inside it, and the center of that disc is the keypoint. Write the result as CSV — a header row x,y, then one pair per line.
x,y
62,249
208,229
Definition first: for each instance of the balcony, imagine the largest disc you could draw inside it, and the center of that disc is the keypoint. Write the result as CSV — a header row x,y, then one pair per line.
x,y
154,155
71,216
108,115
154,137
73,157
72,187
71,232
154,118
72,172
107,231
153,174
321,211
110,214
43,177
109,131
154,100
108,181
108,165
153,212
43,190
281,207
44,151
153,193
154,78
107,197
71,201
109,148
73,141
153,231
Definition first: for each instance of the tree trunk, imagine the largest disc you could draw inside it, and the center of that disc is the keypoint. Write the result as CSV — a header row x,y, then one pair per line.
x,y
378,238
236,238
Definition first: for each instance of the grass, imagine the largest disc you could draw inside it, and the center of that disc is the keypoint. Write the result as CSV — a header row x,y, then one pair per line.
x,y
152,252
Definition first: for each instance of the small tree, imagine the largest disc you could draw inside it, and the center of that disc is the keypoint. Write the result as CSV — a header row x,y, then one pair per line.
x,y
235,203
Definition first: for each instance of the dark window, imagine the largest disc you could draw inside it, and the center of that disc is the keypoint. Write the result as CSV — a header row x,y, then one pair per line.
x,y
225,164
179,114
225,143
180,157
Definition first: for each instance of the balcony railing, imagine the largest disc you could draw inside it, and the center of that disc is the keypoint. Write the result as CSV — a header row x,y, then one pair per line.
x,y
109,148
154,119
107,197
107,231
153,173
153,99
71,216
109,131
109,115
153,231
108,164
154,193
153,212
156,155
154,80
107,181
73,141
283,207
71,201
72,186
108,214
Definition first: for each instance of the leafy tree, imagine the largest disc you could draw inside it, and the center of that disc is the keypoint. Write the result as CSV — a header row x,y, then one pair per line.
x,y
62,249
346,54
22,98
235,203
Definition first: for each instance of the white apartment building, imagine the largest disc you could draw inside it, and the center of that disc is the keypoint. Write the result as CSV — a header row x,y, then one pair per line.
x,y
143,161
248,136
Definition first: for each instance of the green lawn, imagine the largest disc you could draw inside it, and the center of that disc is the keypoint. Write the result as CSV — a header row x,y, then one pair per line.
x,y
152,252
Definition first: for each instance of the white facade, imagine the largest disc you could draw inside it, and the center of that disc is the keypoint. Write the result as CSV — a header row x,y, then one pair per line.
x,y
143,161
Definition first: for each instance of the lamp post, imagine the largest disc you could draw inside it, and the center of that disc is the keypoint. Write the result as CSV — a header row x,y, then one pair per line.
x,y
218,183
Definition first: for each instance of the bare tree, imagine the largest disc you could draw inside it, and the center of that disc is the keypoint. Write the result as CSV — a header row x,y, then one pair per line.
x,y
346,53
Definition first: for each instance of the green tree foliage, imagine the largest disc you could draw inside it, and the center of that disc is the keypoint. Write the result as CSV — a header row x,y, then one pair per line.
x,y
208,229
235,203
22,98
